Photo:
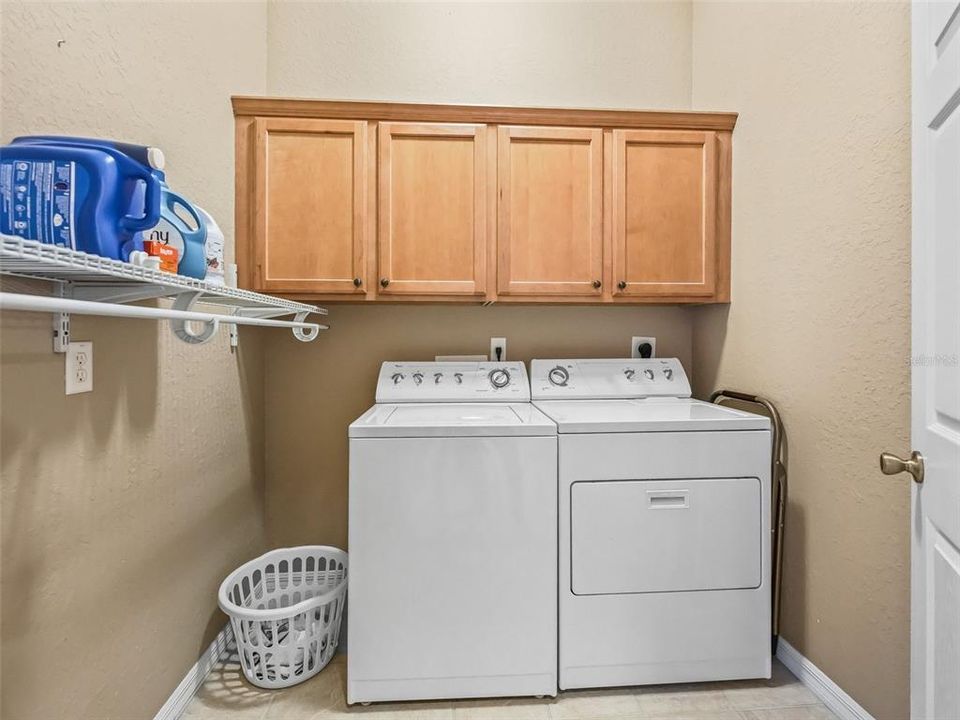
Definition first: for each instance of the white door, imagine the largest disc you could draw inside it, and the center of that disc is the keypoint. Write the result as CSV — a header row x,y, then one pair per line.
x,y
935,536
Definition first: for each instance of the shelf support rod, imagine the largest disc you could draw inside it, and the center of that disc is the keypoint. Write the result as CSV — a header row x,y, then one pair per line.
x,y
304,331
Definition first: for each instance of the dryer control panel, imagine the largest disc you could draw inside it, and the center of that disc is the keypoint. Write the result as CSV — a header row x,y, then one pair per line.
x,y
608,378
453,382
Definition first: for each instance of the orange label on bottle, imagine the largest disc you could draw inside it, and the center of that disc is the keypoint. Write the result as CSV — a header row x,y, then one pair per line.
x,y
168,255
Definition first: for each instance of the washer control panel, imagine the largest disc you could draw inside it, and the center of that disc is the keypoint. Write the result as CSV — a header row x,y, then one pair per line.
x,y
608,378
453,382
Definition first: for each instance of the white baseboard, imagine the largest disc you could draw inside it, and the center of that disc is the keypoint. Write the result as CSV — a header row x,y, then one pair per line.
x,y
831,694
175,705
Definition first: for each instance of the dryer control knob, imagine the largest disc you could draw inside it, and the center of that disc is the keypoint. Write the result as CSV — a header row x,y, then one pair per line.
x,y
437,377
499,378
668,373
558,376
418,378
396,377
459,378
649,373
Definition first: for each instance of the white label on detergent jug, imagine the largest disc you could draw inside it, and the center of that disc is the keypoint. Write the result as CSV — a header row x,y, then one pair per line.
x,y
214,249
38,200
165,233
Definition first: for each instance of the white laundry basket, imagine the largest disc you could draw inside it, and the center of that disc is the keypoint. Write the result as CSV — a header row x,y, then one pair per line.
x,y
285,608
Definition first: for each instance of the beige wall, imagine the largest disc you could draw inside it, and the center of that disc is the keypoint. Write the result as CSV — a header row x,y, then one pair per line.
x,y
820,315
595,55
122,509
568,54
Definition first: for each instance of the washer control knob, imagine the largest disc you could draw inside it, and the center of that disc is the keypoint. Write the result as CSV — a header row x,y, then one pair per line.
x,y
459,378
668,373
559,376
629,372
499,378
649,373
418,378
397,377
437,377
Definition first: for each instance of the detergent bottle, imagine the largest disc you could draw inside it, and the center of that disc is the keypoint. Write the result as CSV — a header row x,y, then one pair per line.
x,y
147,155
81,197
179,225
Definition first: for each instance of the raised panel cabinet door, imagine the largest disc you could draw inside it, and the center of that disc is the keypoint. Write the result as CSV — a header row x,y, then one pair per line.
x,y
432,236
664,212
310,209
550,211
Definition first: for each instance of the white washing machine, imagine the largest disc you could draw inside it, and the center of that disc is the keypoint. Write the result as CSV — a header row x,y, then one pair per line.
x,y
664,526
453,537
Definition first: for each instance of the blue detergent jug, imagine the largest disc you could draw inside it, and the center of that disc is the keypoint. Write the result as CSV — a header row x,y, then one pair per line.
x,y
148,155
172,227
84,198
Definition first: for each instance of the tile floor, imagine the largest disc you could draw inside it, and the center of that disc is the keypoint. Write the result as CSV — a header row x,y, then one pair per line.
x,y
227,695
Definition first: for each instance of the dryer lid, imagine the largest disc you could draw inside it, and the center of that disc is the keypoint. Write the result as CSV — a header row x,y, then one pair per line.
x,y
647,415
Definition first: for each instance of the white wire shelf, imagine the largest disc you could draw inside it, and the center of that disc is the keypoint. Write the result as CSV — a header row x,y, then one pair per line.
x,y
90,284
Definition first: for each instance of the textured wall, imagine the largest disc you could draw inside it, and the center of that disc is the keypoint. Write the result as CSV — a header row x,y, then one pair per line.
x,y
123,509
820,315
629,55
593,55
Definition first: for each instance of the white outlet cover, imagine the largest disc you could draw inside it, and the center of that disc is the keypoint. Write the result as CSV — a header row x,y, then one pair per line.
x,y
637,341
496,342
79,367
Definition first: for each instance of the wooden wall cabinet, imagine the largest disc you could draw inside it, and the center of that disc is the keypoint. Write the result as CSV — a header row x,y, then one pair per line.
x,y
550,211
396,202
432,236
310,218
664,208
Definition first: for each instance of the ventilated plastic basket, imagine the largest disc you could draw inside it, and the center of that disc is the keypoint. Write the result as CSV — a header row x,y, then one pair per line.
x,y
285,608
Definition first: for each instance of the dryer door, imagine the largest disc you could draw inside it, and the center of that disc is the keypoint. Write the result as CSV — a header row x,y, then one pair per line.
x,y
646,536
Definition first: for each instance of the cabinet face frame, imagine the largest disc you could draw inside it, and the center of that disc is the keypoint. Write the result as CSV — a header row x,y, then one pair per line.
x,y
263,127
387,131
506,284
707,140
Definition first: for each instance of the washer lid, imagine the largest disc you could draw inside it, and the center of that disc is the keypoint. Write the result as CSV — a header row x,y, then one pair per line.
x,y
647,415
452,420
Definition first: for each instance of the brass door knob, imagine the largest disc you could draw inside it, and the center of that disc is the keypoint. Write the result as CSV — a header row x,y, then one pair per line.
x,y
597,284
384,282
622,285
890,464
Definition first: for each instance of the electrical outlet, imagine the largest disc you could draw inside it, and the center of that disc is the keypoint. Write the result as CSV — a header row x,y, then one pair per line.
x,y
638,347
79,367
495,345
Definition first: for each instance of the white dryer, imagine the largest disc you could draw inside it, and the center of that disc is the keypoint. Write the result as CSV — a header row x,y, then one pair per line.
x,y
453,527
664,562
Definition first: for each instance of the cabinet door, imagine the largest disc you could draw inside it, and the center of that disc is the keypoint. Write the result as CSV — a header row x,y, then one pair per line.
x,y
310,211
432,217
664,213
550,211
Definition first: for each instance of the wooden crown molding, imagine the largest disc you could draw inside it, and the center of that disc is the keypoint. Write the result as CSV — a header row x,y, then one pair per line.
x,y
489,114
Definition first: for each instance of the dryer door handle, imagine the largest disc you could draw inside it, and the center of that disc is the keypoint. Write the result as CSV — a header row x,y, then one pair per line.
x,y
668,499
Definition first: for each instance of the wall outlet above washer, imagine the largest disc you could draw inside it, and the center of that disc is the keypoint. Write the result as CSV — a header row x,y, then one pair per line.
x,y
643,347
